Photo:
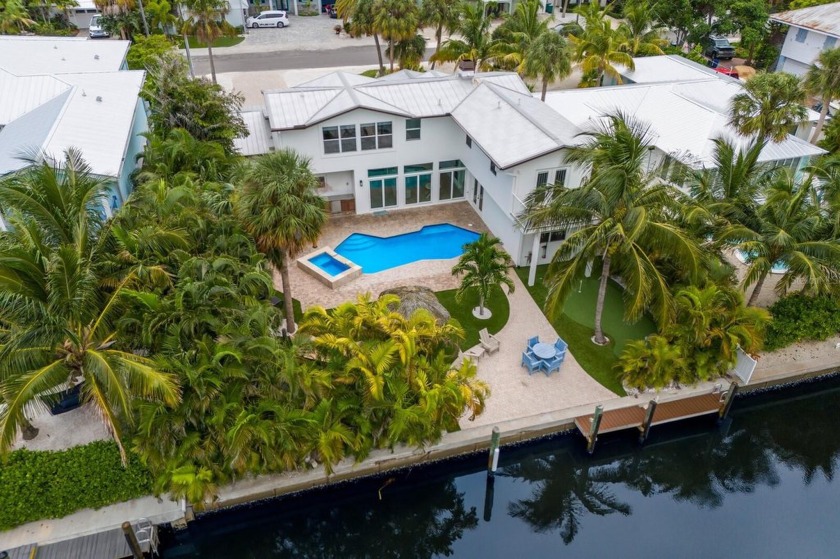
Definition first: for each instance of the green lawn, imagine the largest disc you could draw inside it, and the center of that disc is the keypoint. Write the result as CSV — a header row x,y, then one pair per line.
x,y
221,42
462,312
575,325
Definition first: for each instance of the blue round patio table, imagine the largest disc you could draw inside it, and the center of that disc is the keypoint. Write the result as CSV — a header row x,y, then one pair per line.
x,y
544,350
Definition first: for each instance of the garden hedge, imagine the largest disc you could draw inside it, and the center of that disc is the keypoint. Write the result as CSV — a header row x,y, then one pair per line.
x,y
39,485
799,318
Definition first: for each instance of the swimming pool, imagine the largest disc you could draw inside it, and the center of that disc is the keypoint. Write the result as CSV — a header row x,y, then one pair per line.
x,y
330,265
432,242
778,267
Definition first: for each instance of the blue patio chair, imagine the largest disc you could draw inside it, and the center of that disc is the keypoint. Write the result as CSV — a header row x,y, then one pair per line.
x,y
530,362
553,364
533,341
560,345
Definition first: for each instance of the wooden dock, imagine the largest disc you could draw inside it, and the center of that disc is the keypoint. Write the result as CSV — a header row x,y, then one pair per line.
x,y
643,417
110,544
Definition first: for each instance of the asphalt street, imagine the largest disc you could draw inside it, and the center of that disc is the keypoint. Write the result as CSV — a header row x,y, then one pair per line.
x,y
289,60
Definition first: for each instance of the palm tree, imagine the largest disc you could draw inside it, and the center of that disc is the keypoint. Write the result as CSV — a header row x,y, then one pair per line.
x,y
791,233
484,266
63,306
395,20
770,106
549,57
409,52
442,15
474,43
207,22
358,15
823,81
277,205
652,362
599,47
620,217
638,28
513,38
14,17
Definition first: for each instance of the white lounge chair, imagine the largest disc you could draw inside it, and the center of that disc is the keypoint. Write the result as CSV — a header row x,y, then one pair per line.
x,y
488,341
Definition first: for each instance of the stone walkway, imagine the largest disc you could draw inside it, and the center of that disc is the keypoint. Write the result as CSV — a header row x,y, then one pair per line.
x,y
516,394
59,432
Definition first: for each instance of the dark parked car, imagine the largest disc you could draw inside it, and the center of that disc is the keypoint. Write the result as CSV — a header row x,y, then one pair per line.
x,y
67,400
718,48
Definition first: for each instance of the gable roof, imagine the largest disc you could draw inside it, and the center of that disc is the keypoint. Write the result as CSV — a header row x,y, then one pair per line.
x,y
27,56
259,134
824,19
21,94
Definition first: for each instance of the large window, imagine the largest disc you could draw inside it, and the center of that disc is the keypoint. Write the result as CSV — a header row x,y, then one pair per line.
x,y
412,129
830,43
383,187
452,177
377,135
418,183
559,176
339,139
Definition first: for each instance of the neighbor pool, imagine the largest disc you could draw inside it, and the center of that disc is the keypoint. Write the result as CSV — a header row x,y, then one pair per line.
x,y
433,242
777,268
329,264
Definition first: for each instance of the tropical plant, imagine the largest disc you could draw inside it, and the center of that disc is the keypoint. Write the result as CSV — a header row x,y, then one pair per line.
x,y
278,206
358,18
145,51
639,30
797,318
823,81
484,266
395,20
409,52
514,37
207,22
548,57
14,17
770,106
442,15
599,47
62,302
791,233
620,217
473,42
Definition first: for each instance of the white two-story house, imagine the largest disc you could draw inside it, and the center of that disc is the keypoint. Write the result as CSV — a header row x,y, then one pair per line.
x,y
420,139
811,31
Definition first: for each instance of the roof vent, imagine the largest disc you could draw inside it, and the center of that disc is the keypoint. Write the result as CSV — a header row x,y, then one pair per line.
x,y
55,47
498,104
96,57
440,103
98,98
83,93
63,59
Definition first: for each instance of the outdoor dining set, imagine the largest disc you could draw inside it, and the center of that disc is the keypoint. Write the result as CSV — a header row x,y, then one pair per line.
x,y
545,357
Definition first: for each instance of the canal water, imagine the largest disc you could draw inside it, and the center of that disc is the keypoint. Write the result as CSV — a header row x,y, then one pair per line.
x,y
759,485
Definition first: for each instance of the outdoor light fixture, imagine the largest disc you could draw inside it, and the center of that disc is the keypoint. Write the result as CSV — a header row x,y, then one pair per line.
x,y
361,184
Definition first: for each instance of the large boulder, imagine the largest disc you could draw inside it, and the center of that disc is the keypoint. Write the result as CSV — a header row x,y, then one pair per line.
x,y
415,297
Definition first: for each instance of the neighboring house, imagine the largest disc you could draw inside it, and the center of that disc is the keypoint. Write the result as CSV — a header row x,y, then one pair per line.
x,y
411,139
811,31
60,93
80,15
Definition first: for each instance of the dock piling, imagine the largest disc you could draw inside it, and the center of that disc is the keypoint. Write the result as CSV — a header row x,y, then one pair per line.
x,y
645,426
489,496
493,455
131,539
726,405
593,430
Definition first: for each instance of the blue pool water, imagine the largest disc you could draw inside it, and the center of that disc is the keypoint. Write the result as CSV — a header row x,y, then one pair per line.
x,y
777,268
433,242
329,264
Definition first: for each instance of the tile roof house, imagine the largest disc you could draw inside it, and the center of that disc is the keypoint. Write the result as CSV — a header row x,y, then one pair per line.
x,y
413,139
62,93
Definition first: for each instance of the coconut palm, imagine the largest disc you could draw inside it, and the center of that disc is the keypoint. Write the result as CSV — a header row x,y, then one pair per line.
x,y
513,38
207,22
62,304
599,47
621,217
639,30
441,15
791,233
484,266
409,52
395,20
473,43
278,206
14,17
823,81
358,17
548,57
770,106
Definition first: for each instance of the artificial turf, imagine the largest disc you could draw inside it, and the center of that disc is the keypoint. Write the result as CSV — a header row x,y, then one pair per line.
x,y
576,322
462,312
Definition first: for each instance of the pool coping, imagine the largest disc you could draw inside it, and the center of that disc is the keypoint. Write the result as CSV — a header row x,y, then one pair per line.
x,y
352,272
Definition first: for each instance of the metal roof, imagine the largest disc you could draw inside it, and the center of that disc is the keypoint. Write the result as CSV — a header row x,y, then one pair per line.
x,y
259,134
824,19
667,68
21,94
27,56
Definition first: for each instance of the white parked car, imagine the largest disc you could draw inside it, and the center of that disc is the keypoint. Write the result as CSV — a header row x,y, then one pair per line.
x,y
268,18
95,30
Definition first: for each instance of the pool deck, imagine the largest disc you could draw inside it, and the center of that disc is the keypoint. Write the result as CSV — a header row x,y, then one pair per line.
x,y
434,274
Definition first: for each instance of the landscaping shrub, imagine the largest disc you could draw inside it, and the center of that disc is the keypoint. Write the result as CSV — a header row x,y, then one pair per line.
x,y
39,485
798,318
